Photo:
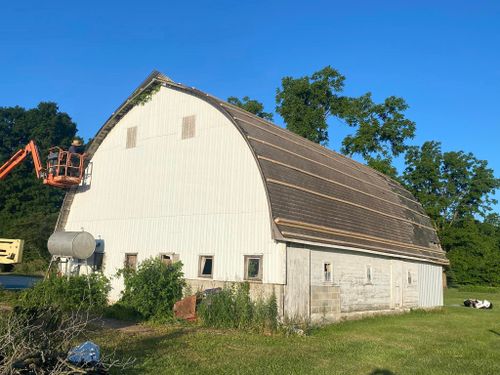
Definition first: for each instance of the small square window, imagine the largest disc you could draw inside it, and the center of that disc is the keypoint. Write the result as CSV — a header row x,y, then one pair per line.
x,y
410,281
131,261
369,274
166,259
327,272
253,267
188,127
131,137
206,266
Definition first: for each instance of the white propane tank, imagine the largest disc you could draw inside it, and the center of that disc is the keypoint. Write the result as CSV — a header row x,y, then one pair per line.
x,y
80,245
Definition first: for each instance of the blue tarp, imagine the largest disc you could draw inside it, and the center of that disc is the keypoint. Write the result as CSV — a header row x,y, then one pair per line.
x,y
17,282
88,352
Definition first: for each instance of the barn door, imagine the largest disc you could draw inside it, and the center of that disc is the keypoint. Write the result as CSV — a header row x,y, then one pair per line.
x,y
396,284
297,290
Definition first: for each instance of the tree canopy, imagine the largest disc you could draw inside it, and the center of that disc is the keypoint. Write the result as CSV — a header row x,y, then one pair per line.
x,y
252,106
473,248
28,209
455,188
381,129
450,185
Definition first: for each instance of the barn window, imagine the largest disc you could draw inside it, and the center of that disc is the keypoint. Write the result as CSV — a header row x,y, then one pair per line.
x,y
409,278
253,267
169,258
131,137
369,274
131,261
206,266
188,127
327,272
166,259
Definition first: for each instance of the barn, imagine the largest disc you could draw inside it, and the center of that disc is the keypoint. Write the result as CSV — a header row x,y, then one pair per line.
x,y
178,174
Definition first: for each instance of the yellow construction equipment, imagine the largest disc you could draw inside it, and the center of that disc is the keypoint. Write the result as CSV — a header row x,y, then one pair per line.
x,y
11,251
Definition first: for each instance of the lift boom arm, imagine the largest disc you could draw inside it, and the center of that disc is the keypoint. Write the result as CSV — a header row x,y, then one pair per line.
x,y
19,157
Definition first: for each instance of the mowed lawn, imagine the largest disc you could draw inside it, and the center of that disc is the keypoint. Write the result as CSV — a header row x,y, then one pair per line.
x,y
454,340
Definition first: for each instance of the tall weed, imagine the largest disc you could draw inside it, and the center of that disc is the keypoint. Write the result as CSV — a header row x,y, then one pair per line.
x,y
232,307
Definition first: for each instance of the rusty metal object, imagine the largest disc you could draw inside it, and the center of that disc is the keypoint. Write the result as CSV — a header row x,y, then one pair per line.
x,y
186,308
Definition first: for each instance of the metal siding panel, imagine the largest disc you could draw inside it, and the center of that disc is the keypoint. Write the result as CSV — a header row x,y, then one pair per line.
x,y
202,195
430,285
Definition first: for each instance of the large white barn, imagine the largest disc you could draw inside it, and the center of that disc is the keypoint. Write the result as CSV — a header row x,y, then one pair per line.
x,y
186,176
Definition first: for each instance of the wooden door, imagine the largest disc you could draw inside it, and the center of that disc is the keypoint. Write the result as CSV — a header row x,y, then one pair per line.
x,y
396,284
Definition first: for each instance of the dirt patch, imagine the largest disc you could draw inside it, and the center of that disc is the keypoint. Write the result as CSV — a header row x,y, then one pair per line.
x,y
122,326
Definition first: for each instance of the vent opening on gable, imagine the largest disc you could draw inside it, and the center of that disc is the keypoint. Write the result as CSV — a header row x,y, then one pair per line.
x,y
188,127
131,137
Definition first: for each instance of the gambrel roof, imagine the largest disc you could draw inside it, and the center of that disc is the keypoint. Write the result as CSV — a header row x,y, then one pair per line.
x,y
315,195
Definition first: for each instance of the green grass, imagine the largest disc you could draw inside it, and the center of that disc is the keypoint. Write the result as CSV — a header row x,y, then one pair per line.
x,y
8,297
454,340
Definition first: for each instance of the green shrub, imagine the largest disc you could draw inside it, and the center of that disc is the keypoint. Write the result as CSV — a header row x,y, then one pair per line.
x,y
233,308
32,267
153,289
75,292
218,310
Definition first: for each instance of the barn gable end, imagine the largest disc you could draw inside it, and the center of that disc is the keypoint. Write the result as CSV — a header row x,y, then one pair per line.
x,y
170,192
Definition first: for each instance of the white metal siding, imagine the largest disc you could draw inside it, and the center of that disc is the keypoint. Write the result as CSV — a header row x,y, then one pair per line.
x,y
430,285
198,196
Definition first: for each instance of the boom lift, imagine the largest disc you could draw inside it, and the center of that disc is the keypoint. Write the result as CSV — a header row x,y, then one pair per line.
x,y
11,251
64,169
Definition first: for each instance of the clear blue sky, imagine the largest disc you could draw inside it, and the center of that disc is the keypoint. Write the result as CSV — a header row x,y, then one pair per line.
x,y
443,57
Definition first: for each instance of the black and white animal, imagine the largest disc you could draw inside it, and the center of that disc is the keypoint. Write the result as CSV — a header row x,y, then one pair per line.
x,y
478,304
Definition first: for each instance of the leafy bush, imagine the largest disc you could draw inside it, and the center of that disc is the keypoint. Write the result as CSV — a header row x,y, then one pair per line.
x,y
75,292
233,308
153,289
33,267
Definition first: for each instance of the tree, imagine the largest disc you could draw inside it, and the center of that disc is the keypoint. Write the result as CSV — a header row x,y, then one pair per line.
x,y
381,130
452,185
473,249
383,165
28,209
306,103
252,106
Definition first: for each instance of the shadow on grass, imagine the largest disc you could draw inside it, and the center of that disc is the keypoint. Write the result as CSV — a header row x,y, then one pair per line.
x,y
380,371
142,349
494,332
